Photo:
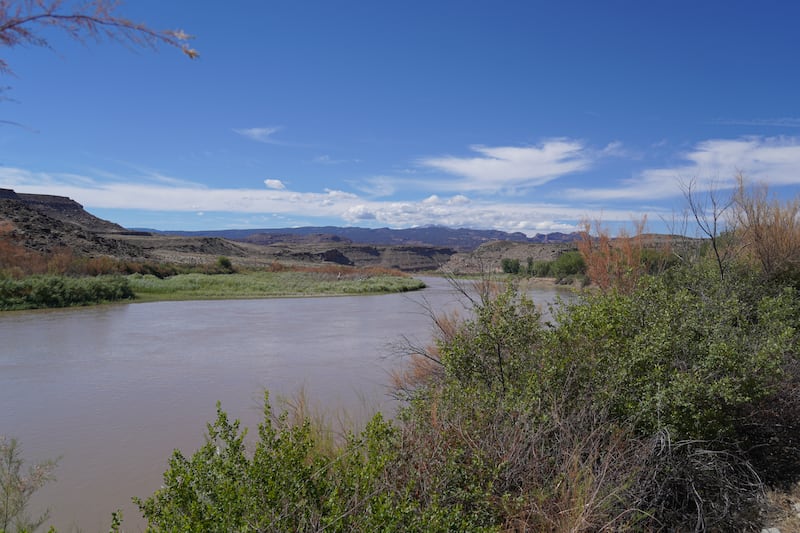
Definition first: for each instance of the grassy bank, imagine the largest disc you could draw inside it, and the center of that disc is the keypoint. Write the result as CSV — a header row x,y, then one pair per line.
x,y
52,291
266,285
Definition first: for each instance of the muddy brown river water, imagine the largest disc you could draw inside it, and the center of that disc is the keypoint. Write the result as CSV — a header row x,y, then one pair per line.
x,y
113,390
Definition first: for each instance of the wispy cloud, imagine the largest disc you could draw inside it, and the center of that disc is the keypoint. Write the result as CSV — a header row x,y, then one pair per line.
x,y
378,186
262,135
502,167
784,122
328,160
714,162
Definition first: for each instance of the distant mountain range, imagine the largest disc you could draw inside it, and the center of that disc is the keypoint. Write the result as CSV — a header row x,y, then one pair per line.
x,y
48,224
461,239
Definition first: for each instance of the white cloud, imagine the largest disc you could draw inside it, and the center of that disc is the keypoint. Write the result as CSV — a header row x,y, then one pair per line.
x,y
263,135
378,186
614,149
525,217
274,184
509,166
359,212
715,162
332,204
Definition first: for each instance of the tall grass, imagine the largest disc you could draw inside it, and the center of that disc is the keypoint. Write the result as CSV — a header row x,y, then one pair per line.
x,y
266,284
43,291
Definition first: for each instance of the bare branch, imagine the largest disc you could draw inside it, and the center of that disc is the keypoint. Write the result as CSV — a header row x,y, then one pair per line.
x,y
709,213
96,19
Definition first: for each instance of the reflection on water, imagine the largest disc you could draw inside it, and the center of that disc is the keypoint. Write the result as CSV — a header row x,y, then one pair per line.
x,y
114,389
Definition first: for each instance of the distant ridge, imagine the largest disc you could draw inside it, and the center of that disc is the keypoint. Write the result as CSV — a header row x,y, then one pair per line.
x,y
49,223
461,239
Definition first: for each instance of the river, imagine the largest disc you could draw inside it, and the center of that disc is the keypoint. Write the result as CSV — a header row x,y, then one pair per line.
x,y
112,390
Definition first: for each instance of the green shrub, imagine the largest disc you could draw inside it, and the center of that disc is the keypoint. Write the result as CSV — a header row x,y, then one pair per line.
x,y
510,266
540,269
288,484
568,264
668,373
224,264
494,349
61,291
685,357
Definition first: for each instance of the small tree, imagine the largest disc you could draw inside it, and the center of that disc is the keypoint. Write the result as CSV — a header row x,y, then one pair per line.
x,y
709,213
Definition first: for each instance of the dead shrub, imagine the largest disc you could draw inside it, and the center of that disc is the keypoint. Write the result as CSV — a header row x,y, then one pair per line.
x,y
769,431
698,486
96,266
768,229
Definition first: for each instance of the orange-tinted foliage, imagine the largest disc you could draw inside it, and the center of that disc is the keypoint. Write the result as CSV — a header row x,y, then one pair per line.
x,y
16,260
769,230
617,262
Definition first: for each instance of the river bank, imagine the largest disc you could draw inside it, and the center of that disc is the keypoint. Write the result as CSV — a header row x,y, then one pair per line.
x,y
267,285
57,291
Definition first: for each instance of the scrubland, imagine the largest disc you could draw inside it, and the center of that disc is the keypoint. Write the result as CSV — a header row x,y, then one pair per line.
x,y
665,398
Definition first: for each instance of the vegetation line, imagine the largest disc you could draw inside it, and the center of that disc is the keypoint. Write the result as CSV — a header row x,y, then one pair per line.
x,y
35,280
265,285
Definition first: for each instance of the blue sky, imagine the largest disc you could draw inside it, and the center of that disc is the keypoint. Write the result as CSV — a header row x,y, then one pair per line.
x,y
515,115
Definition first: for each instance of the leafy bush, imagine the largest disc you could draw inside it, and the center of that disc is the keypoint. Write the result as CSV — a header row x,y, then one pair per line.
x,y
683,357
510,266
539,269
494,348
224,264
568,264
666,381
61,291
288,484
566,267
